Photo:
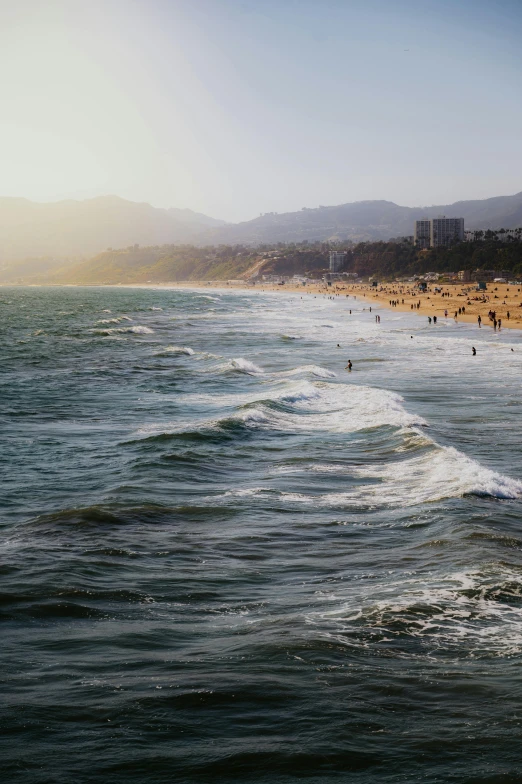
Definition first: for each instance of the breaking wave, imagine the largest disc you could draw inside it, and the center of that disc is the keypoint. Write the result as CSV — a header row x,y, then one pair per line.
x,y
245,366
137,330
471,614
176,350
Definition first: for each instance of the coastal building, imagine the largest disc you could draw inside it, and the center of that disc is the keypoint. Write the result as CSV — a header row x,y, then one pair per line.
x,y
486,275
438,232
422,233
446,231
337,258
464,275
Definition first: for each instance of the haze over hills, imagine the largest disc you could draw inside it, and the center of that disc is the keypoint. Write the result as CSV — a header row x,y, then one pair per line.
x,y
364,220
70,230
81,228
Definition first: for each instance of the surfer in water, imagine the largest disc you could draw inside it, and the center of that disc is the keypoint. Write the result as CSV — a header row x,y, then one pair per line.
x,y
349,365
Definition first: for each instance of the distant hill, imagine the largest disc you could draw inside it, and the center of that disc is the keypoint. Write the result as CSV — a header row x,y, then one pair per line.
x,y
155,264
40,238
170,263
363,220
81,228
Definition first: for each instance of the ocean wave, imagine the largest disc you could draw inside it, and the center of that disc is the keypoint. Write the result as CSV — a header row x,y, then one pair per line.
x,y
441,472
310,406
315,370
472,614
434,473
137,330
109,321
244,366
175,350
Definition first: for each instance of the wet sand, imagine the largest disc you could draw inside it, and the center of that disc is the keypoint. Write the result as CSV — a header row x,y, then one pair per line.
x,y
498,297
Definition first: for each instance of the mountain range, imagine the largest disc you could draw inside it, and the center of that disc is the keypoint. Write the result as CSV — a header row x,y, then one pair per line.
x,y
364,220
79,229
82,228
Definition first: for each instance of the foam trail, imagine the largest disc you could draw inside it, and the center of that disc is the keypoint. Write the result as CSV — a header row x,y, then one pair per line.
x,y
474,611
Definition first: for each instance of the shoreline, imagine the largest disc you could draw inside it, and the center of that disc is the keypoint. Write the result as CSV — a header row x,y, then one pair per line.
x,y
431,303
500,297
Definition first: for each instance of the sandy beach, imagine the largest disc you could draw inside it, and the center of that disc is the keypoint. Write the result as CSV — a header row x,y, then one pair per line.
x,y
500,298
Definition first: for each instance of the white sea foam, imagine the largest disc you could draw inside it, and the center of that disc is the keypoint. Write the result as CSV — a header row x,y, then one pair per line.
x,y
441,472
109,321
176,350
438,473
298,393
315,370
476,611
245,366
137,330
322,406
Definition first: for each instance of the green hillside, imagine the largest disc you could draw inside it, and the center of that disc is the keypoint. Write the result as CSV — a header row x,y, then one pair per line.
x,y
168,263
174,263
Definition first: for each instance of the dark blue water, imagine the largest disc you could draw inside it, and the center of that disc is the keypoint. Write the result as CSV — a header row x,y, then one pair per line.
x,y
226,559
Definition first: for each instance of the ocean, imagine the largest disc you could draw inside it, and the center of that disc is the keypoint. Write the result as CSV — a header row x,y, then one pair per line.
x,y
225,558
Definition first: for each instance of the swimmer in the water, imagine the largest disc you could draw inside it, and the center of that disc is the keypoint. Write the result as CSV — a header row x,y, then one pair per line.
x,y
349,365
474,350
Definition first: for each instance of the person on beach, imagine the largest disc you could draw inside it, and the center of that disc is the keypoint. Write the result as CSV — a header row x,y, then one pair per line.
x,y
499,322
429,319
479,321
474,350
434,319
349,365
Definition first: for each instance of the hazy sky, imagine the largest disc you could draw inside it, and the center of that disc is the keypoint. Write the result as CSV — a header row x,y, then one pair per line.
x,y
236,107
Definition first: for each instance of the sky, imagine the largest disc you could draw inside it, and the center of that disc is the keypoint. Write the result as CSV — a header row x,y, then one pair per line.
x,y
240,107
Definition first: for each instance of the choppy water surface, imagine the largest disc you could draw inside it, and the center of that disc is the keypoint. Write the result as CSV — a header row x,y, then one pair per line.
x,y
224,558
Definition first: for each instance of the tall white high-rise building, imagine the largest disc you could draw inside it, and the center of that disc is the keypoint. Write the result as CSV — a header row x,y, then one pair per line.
x,y
446,231
437,232
422,236
336,260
